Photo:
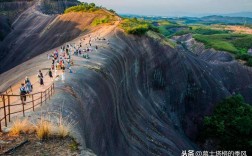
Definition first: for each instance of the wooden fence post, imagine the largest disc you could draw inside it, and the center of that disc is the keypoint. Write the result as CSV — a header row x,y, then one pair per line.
x,y
32,102
49,95
9,107
41,98
45,96
52,89
1,121
5,121
11,90
23,103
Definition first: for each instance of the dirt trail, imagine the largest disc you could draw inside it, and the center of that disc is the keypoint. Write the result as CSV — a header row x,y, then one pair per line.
x,y
37,89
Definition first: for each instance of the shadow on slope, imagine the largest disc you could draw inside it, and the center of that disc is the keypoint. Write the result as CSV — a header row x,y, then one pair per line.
x,y
34,33
137,96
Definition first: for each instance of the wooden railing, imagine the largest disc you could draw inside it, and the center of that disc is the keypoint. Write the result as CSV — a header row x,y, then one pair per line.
x,y
7,92
12,104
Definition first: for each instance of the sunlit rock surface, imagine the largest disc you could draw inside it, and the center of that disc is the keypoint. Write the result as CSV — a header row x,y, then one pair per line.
x,y
136,95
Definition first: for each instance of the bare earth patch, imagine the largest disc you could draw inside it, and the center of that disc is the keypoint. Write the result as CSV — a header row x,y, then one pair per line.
x,y
239,29
35,147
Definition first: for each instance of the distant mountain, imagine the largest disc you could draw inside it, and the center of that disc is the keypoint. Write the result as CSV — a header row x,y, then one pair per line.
x,y
232,19
225,20
239,14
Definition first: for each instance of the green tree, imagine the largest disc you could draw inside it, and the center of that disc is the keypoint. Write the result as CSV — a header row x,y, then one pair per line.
x,y
230,125
92,5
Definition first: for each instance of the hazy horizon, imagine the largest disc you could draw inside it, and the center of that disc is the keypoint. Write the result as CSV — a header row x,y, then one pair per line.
x,y
176,7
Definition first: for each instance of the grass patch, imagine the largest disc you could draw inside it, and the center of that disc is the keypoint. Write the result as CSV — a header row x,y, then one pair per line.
x,y
213,36
83,7
218,42
170,29
206,30
44,129
137,27
167,28
54,124
106,19
238,44
49,125
74,146
201,30
20,126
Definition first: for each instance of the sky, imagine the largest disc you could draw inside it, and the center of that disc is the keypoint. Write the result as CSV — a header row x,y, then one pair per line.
x,y
175,7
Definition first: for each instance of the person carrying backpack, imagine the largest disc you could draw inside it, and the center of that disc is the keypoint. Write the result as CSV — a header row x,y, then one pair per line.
x,y
28,85
22,93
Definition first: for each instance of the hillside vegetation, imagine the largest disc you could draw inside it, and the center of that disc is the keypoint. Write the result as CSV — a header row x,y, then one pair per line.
x,y
168,28
213,36
238,44
83,7
86,7
135,26
232,118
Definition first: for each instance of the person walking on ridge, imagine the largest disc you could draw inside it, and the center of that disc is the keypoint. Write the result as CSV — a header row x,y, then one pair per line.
x,y
63,76
40,76
28,85
22,93
50,74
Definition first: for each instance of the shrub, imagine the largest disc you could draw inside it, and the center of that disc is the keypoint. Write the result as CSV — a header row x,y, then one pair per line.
x,y
44,129
18,126
232,119
244,42
182,32
244,57
249,62
63,126
74,146
112,11
53,124
101,21
137,27
209,31
83,7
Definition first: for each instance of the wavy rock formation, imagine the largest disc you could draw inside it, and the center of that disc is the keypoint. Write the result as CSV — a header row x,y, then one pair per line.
x,y
137,95
33,32
12,9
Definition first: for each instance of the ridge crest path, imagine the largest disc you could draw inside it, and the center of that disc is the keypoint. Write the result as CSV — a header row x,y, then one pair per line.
x,y
48,82
12,100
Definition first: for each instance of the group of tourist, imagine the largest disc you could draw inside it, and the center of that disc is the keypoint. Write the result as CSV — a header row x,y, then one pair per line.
x,y
61,60
80,50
